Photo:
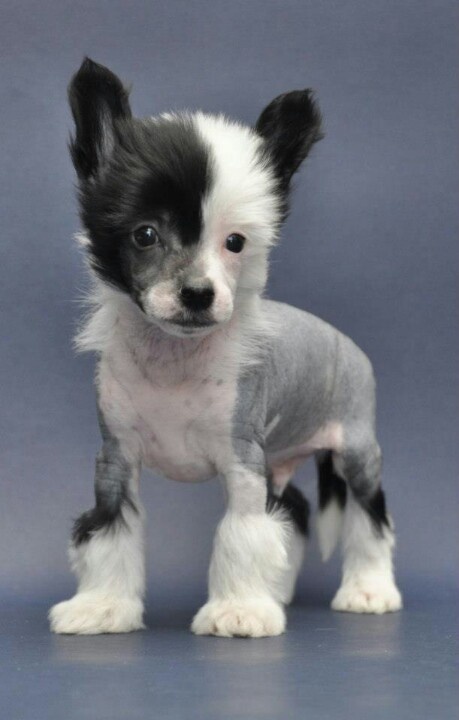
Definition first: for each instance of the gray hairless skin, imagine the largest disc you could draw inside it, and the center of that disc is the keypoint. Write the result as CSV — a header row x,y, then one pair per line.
x,y
311,376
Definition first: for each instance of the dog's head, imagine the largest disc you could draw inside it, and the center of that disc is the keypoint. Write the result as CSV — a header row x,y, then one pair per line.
x,y
180,210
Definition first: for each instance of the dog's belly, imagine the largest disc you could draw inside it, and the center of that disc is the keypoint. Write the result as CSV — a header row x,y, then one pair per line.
x,y
181,432
284,463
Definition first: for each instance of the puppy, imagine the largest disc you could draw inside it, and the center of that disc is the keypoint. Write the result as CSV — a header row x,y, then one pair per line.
x,y
199,376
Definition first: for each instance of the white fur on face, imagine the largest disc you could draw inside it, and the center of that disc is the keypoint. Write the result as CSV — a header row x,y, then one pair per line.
x,y
162,301
242,200
223,274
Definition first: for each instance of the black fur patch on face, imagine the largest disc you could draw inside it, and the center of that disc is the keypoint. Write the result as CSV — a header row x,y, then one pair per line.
x,y
159,169
132,172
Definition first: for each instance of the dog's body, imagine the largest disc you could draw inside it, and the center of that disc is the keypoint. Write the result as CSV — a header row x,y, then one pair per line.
x,y
199,376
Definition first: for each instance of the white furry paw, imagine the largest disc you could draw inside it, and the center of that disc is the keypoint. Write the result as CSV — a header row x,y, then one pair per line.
x,y
367,595
90,614
240,618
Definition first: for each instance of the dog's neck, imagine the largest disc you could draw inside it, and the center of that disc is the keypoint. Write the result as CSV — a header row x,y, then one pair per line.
x,y
115,324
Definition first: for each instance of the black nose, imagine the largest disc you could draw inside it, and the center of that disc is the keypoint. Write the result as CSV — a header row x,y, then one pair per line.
x,y
198,297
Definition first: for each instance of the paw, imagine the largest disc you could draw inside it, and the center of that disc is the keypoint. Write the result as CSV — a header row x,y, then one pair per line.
x,y
90,614
240,618
363,595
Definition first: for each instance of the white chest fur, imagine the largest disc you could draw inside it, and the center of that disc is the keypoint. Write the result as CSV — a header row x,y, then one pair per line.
x,y
168,407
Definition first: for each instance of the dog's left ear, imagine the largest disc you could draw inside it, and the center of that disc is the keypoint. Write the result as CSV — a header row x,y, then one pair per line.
x,y
98,100
290,125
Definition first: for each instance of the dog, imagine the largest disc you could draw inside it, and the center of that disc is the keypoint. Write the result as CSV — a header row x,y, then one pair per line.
x,y
199,376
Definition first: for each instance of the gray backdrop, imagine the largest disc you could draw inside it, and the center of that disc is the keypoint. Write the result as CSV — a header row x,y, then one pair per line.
x,y
369,246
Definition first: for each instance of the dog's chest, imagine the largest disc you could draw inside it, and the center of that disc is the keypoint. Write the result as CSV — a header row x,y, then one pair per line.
x,y
180,429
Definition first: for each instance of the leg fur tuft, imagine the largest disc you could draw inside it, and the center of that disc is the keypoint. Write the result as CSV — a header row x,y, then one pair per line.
x,y
329,526
332,501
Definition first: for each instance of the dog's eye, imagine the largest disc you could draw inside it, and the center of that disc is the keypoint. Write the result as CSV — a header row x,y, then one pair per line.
x,y
234,242
145,236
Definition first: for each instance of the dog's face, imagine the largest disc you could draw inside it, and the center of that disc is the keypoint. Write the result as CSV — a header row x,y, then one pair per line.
x,y
180,210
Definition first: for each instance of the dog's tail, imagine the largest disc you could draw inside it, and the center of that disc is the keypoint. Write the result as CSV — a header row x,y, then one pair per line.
x,y
332,501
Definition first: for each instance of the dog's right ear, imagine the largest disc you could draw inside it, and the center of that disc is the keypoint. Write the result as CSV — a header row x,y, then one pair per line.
x,y
97,99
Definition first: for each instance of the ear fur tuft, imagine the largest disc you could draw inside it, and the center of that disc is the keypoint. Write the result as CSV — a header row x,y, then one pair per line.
x,y
97,99
290,125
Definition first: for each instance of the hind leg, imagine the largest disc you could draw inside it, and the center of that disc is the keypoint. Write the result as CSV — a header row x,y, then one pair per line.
x,y
368,584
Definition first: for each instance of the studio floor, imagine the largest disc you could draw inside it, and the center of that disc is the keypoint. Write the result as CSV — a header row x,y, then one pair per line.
x,y
327,665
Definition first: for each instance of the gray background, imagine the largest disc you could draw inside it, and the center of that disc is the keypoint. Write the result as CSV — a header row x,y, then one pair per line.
x,y
370,246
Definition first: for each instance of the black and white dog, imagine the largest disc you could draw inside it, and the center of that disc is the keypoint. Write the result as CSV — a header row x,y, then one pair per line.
x,y
198,376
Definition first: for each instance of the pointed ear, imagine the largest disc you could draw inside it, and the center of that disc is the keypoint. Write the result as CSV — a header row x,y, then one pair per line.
x,y
290,125
97,99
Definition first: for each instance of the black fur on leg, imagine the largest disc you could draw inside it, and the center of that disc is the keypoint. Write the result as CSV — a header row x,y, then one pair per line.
x,y
111,489
102,516
363,478
375,506
331,486
293,502
362,471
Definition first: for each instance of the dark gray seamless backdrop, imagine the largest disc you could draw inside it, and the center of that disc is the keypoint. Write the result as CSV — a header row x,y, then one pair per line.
x,y
370,246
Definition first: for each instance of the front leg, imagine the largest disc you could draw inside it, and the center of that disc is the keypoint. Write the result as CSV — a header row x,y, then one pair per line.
x,y
106,552
249,563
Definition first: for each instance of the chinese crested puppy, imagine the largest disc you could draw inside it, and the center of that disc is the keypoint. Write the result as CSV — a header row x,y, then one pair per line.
x,y
199,376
